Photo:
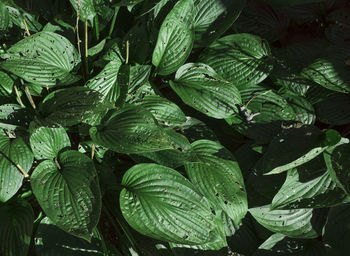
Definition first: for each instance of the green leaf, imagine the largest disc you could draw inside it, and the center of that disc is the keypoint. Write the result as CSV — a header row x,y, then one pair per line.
x,y
293,147
16,224
299,223
337,160
338,21
106,82
138,76
242,59
67,189
213,17
309,186
44,58
85,8
47,142
6,84
159,202
200,87
13,116
331,69
131,129
175,38
53,241
66,107
303,109
4,17
165,111
14,155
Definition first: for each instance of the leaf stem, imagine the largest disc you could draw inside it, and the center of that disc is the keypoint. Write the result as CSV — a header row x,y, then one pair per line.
x,y
18,96
29,96
97,29
26,27
116,10
255,96
92,151
25,174
86,64
127,52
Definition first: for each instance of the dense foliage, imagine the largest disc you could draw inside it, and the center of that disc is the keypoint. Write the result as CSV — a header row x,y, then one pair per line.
x,y
174,128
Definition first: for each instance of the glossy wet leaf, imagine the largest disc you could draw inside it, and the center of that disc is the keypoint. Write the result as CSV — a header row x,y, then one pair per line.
x,y
159,202
175,38
44,58
67,189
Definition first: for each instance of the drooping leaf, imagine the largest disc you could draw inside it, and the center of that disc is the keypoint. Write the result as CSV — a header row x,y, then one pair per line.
x,y
4,17
337,160
213,17
14,156
131,129
47,142
242,59
16,224
44,58
299,223
309,186
66,107
67,189
199,86
159,202
175,38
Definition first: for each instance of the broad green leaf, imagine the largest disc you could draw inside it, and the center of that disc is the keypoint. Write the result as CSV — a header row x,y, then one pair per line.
x,y
44,58
200,87
14,156
195,129
309,186
299,223
175,38
242,59
159,202
124,83
131,129
67,189
337,160
47,142
138,76
17,15
294,146
50,240
85,8
72,105
213,17
337,230
16,224
106,81
335,109
331,69
4,17
165,111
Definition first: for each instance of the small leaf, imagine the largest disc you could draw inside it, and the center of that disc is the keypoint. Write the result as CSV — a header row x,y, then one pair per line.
x,y
159,202
16,225
67,189
175,38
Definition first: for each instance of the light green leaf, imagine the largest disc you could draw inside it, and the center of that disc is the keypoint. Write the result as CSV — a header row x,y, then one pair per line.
x,y
67,189
200,87
165,111
298,223
106,81
213,17
85,8
66,107
4,17
159,202
44,58
14,155
47,142
131,129
6,84
242,59
337,160
175,38
50,240
309,186
16,224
